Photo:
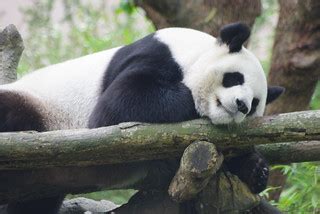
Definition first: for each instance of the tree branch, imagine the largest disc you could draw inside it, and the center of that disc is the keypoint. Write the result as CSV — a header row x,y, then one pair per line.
x,y
137,141
293,152
45,164
199,162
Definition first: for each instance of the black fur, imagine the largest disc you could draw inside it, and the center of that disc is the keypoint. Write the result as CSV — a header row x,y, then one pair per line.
x,y
143,83
39,206
254,104
18,113
252,169
232,79
145,55
273,93
234,35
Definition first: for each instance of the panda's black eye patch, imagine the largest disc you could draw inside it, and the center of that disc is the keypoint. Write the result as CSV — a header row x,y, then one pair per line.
x,y
232,79
254,104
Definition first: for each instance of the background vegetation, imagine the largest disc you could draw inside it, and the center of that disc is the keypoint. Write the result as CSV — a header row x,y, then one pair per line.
x,y
86,28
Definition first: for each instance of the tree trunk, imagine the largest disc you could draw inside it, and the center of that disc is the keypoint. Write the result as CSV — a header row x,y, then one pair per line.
x,y
205,15
295,62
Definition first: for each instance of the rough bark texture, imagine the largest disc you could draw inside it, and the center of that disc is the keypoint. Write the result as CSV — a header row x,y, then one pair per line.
x,y
295,62
138,142
296,55
204,15
293,152
200,160
225,193
11,47
125,143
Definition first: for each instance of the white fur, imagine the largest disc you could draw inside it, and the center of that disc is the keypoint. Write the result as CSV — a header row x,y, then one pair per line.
x,y
204,62
186,45
67,91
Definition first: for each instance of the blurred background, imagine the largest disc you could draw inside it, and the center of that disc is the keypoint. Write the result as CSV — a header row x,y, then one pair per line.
x,y
57,30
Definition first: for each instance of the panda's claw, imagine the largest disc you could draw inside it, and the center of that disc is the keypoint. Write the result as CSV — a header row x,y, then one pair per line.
x,y
252,169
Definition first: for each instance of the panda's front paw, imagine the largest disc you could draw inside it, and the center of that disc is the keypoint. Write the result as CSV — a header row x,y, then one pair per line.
x,y
252,169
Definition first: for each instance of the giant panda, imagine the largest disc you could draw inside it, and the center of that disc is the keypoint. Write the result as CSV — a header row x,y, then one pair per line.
x,y
172,75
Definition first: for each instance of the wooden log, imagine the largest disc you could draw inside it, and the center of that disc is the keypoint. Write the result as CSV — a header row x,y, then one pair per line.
x,y
199,162
225,193
293,152
130,142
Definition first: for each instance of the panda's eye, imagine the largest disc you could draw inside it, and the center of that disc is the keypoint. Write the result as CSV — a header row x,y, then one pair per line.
x,y
232,79
254,104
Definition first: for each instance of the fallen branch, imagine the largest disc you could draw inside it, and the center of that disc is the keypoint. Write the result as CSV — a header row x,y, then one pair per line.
x,y
293,152
131,142
199,162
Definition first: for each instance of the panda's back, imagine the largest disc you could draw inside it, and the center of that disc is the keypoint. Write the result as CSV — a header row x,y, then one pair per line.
x,y
68,91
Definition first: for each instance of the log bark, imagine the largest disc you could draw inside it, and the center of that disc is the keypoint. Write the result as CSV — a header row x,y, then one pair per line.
x,y
225,193
293,152
199,162
11,47
295,62
129,142
51,163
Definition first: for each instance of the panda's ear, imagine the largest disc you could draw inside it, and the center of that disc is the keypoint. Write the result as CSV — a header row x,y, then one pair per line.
x,y
234,35
273,93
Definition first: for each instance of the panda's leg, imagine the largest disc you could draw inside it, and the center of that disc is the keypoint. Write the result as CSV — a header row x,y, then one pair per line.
x,y
19,113
252,169
40,206
142,97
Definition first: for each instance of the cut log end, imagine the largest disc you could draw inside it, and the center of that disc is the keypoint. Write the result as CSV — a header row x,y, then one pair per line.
x,y
199,162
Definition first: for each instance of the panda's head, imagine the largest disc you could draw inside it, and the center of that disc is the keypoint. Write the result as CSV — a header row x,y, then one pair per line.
x,y
228,83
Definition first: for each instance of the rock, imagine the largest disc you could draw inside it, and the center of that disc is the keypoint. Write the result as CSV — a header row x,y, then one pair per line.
x,y
84,205
11,47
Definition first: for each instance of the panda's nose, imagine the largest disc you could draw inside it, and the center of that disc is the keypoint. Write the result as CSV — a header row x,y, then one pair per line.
x,y
242,106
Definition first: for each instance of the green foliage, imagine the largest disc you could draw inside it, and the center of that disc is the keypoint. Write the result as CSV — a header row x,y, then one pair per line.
x,y
302,192
126,6
117,196
263,30
269,9
315,102
83,29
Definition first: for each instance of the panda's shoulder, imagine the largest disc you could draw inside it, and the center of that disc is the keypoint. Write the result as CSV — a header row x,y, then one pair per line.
x,y
147,55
